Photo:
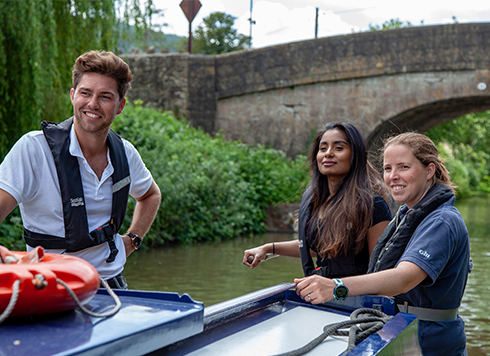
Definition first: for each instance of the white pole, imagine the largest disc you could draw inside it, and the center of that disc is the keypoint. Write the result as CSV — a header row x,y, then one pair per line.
x,y
251,23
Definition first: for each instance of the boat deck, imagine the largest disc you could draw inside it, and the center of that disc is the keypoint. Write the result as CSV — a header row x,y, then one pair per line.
x,y
284,332
147,321
266,322
275,320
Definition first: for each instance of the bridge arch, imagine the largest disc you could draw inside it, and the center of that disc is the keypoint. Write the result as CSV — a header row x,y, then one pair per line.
x,y
426,116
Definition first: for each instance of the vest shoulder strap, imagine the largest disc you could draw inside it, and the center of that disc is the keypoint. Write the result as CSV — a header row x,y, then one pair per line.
x,y
77,236
397,234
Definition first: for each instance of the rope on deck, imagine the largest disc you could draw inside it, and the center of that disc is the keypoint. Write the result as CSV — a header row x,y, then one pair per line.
x,y
363,322
91,313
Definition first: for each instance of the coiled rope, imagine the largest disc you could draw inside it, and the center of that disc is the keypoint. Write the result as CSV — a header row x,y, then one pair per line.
x,y
363,322
15,295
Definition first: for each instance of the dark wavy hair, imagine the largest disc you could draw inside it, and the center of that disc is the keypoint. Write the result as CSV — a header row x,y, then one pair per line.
x,y
344,218
105,63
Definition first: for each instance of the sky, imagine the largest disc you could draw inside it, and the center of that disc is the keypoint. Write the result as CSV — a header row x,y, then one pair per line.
x,y
283,21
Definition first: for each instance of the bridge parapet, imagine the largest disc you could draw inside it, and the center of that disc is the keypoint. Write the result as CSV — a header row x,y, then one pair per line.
x,y
359,55
411,78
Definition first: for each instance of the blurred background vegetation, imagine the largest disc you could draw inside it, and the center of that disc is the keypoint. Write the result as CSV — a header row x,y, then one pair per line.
x,y
464,143
212,189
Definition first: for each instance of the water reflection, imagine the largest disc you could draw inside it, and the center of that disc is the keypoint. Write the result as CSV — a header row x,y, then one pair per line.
x,y
213,272
209,272
476,300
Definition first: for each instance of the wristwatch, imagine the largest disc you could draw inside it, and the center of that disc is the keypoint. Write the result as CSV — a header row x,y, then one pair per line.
x,y
136,241
340,291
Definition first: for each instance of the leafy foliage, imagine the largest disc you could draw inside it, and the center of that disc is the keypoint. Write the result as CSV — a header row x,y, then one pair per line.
x,y
11,232
25,66
389,25
39,42
160,41
212,189
397,23
137,26
464,143
217,35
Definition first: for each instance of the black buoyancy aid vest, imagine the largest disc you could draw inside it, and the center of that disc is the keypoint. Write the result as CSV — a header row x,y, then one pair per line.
x,y
303,217
77,235
343,265
394,240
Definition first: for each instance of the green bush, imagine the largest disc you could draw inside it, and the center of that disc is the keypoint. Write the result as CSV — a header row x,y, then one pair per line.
x,y
212,189
11,232
463,142
460,174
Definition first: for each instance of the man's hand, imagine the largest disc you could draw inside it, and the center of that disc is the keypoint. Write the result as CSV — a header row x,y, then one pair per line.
x,y
144,213
128,245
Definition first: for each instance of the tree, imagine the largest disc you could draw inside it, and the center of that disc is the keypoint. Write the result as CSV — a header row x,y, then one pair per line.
x,y
391,24
217,35
27,52
464,143
39,41
138,27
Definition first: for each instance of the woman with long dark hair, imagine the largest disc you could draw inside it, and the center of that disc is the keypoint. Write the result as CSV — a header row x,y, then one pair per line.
x,y
423,257
343,211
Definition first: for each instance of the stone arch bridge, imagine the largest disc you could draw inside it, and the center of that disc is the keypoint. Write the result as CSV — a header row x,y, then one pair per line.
x,y
386,81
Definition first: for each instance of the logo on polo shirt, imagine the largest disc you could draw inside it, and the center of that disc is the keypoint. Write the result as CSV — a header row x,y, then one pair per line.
x,y
424,253
76,202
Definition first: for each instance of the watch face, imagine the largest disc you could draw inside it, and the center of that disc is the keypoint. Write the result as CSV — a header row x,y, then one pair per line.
x,y
137,242
341,292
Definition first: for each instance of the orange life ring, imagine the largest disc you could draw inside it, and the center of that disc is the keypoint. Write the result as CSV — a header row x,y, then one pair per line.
x,y
39,292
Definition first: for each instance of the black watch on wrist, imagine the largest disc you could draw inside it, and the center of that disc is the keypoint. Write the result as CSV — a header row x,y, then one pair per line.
x,y
340,291
136,241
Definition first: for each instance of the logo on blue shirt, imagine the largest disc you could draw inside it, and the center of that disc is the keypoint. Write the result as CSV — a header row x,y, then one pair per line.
x,y
424,253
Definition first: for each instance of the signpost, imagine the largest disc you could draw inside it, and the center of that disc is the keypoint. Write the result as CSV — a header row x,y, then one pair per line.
x,y
190,8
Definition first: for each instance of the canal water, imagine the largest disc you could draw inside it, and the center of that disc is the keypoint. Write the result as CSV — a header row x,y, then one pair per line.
x,y
213,272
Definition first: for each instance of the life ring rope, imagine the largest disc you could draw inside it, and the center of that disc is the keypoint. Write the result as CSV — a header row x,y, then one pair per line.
x,y
91,313
13,300
15,295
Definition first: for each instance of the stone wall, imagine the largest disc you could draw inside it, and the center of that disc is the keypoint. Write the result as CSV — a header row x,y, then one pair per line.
x,y
160,80
412,78
288,118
